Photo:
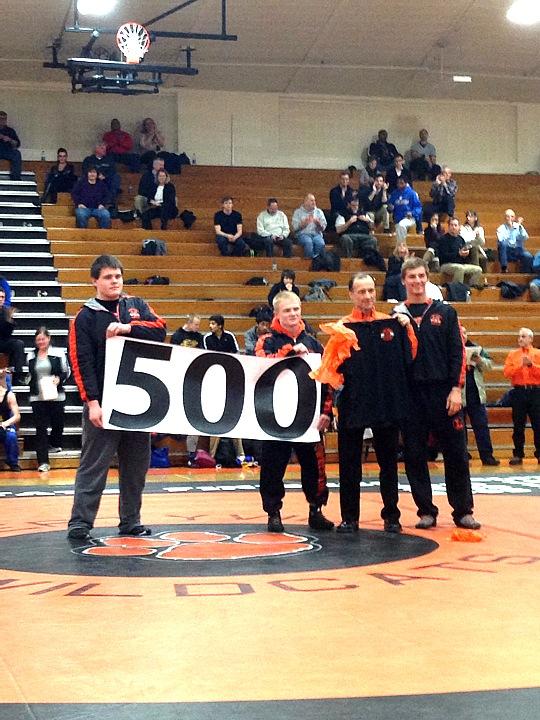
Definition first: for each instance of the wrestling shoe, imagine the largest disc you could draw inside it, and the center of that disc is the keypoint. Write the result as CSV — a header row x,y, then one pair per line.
x,y
136,531
468,522
347,527
274,523
425,522
391,526
317,521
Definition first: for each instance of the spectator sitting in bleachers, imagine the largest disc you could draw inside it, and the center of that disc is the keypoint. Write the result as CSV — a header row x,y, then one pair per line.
x,y
511,237
374,201
106,168
9,147
152,141
397,171
188,335
443,193
273,229
406,208
354,231
60,178
384,151
454,257
432,235
263,318
91,197
13,347
119,145
286,283
473,234
163,204
394,290
147,186
422,153
309,223
10,415
340,195
364,178
228,227
435,169
373,169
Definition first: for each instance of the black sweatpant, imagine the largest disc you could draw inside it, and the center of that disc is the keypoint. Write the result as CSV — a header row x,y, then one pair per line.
x,y
430,413
525,401
385,442
275,457
48,413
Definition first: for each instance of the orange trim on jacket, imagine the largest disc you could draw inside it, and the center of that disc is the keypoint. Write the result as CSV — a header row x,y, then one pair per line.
x,y
343,341
519,374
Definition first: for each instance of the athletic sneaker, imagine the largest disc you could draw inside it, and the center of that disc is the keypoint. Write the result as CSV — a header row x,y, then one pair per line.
x,y
54,450
44,467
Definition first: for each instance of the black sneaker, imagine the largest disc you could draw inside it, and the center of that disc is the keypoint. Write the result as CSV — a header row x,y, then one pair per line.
x,y
15,468
392,526
347,527
274,523
136,531
317,521
79,533
490,461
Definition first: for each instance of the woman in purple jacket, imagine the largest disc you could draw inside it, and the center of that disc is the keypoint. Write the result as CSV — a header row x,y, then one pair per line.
x,y
91,196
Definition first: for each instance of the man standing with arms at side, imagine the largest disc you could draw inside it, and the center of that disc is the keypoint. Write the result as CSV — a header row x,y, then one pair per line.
x,y
522,367
107,315
287,338
438,376
367,357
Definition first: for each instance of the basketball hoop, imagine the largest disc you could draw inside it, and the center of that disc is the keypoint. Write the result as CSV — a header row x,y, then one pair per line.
x,y
133,42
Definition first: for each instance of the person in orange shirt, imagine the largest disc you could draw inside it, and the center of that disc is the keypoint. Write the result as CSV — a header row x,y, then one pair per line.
x,y
522,368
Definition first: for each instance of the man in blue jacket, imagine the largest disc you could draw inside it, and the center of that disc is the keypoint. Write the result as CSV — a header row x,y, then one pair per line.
x,y
406,208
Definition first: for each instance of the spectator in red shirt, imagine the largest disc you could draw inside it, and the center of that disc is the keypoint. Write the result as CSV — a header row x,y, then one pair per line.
x,y
119,145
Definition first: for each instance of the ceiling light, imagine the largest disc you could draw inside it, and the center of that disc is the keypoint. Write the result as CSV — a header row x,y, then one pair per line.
x,y
95,7
524,12
462,78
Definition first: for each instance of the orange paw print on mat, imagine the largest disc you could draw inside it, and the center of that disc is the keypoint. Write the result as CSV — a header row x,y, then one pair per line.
x,y
203,545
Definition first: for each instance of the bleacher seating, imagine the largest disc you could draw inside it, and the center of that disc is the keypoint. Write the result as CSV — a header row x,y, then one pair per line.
x,y
204,282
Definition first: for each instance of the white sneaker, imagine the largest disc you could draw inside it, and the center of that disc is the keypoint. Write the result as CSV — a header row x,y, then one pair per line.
x,y
55,449
44,467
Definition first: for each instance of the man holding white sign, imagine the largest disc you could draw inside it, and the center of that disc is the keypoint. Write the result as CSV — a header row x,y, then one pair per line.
x,y
107,315
288,338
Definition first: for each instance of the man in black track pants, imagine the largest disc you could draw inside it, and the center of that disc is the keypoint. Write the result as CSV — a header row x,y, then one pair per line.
x,y
438,376
366,360
287,338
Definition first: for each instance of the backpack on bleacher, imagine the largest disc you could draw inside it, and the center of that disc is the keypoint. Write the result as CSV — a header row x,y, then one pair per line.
x,y
150,246
326,261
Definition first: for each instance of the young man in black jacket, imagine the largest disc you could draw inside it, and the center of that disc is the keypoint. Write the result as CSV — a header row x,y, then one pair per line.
x,y
287,338
107,315
438,376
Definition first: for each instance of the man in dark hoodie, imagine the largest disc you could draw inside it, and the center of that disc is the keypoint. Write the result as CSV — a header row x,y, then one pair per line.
x,y
107,315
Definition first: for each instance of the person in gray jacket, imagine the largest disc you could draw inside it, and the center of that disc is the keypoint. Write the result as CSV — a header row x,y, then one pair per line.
x,y
474,398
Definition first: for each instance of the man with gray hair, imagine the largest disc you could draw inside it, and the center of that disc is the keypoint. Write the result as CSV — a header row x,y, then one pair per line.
x,y
309,223
522,368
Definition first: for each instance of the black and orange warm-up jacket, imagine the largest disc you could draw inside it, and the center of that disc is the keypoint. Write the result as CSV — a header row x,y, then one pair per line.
x,y
87,339
343,341
279,343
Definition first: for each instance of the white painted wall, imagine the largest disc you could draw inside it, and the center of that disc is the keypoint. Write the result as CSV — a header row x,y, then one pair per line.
x,y
275,130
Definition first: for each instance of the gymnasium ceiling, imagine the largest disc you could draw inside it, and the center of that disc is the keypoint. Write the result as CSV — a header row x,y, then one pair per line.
x,y
398,48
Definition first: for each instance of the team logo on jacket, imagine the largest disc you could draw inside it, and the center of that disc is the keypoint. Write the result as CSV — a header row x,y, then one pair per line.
x,y
458,424
387,334
134,313
435,319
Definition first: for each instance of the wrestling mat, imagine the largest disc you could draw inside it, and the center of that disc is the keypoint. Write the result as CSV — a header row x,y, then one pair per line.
x,y
212,617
